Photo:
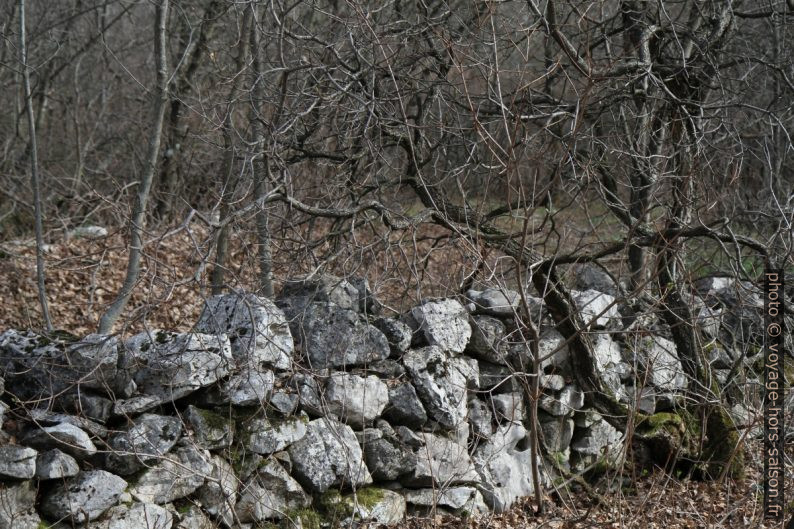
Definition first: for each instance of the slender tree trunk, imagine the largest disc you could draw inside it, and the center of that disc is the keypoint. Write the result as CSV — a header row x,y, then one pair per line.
x,y
218,274
137,221
34,171
260,165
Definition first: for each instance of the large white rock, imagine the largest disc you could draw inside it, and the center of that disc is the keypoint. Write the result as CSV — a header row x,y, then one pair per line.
x,y
175,476
444,323
356,400
218,495
145,441
135,516
504,471
335,337
84,497
256,327
658,361
171,366
265,436
591,305
440,383
270,494
441,462
328,456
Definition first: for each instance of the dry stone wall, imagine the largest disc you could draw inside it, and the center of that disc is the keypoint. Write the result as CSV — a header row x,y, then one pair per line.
x,y
316,408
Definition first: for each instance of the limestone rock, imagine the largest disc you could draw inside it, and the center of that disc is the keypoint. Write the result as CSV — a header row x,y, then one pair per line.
x,y
17,462
64,436
135,516
443,323
356,400
504,470
658,359
459,500
18,506
335,337
54,464
84,497
591,303
405,407
588,276
150,437
265,436
486,337
248,387
397,333
329,455
218,495
441,462
210,430
495,302
440,386
269,494
387,459
256,327
175,476
480,418
370,506
172,366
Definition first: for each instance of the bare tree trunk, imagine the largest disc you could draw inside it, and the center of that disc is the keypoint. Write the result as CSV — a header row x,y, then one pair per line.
x,y
260,163
137,221
34,170
218,274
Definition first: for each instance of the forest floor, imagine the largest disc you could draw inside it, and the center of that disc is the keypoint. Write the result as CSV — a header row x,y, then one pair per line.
x,y
83,275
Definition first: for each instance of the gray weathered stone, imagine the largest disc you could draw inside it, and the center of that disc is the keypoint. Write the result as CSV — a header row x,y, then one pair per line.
x,y
440,386
443,323
265,436
486,338
323,288
370,506
270,494
356,400
596,439
503,470
172,366
310,393
388,459
17,462
509,406
64,436
329,455
85,404
480,418
175,476
18,506
495,302
591,303
459,500
556,432
194,518
210,430
588,276
441,462
135,516
148,438
552,347
385,369
397,333
658,361
135,405
284,400
42,417
84,497
218,495
335,337
256,327
405,407
496,378
248,387
54,464
552,382
569,399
